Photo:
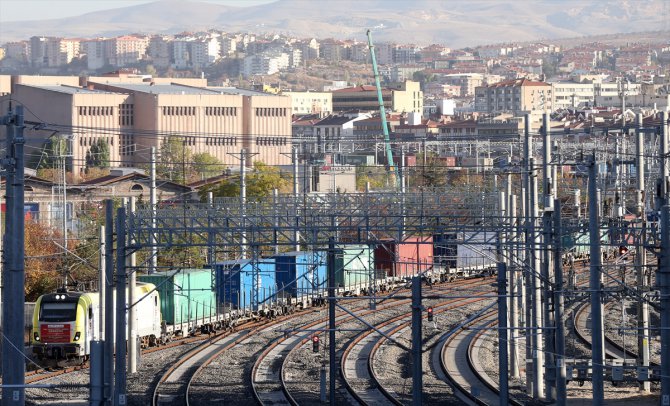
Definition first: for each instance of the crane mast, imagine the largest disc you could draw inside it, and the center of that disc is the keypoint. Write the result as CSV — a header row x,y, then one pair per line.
x,y
393,170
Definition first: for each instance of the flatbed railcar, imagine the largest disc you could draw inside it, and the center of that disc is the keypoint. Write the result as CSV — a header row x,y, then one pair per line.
x,y
234,284
464,255
188,302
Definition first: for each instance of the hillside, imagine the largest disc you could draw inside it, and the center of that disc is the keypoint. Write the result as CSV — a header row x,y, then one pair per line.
x,y
453,23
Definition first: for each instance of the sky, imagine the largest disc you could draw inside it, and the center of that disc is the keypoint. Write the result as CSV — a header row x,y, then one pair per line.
x,y
30,10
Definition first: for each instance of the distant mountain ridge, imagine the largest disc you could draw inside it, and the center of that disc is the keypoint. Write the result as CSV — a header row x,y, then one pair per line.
x,y
452,23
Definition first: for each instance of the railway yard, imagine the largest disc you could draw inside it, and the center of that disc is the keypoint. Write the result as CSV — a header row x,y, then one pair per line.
x,y
512,289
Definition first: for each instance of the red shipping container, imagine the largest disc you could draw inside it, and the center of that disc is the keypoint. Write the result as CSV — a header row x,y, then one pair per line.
x,y
448,161
406,259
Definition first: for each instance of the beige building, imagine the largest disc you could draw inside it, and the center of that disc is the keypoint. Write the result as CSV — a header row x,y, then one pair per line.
x,y
132,117
219,121
81,115
402,97
311,102
515,96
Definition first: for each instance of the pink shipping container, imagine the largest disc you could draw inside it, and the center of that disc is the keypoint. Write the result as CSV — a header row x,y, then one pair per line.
x,y
405,259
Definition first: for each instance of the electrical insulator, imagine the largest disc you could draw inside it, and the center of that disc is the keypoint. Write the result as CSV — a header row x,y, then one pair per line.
x,y
315,344
430,314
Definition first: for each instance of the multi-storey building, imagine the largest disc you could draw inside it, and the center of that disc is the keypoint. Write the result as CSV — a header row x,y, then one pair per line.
x,y
572,95
89,115
204,52
159,51
126,50
400,73
468,82
19,51
402,97
311,102
136,115
96,54
332,50
384,52
516,96
406,54
228,45
265,64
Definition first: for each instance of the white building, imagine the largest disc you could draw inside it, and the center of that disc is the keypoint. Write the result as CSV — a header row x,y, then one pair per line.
x,y
95,53
265,64
572,95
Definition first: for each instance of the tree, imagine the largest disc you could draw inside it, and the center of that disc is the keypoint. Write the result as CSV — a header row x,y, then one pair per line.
x,y
44,259
98,155
376,175
207,165
260,183
174,159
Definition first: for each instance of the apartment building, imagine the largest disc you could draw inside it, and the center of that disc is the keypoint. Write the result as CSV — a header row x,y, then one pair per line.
x,y
96,54
310,102
159,51
516,96
572,95
402,97
125,50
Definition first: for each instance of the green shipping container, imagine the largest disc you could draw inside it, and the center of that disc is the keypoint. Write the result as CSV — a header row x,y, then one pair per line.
x,y
353,269
185,295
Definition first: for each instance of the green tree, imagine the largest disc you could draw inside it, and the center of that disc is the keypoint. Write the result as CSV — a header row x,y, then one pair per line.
x,y
376,175
53,148
174,160
260,183
207,165
98,155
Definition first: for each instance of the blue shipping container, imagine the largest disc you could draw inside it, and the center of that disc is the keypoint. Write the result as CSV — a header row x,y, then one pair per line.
x,y
234,282
301,274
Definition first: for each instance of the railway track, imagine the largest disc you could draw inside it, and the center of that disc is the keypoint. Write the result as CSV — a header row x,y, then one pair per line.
x,y
582,324
459,361
357,361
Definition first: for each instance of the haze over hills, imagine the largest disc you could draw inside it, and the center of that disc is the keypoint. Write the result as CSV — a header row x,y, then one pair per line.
x,y
453,23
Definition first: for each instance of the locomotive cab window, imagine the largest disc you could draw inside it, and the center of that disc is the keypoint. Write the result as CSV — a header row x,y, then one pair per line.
x,y
58,311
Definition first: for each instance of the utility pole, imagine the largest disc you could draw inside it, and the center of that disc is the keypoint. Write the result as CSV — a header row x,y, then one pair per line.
x,y
528,273
120,344
536,333
331,320
296,191
13,273
663,277
132,310
559,308
153,262
503,333
640,255
664,286
108,375
548,204
417,361
597,339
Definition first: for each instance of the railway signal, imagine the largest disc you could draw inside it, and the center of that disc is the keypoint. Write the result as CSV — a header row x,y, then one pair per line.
x,y
430,314
315,343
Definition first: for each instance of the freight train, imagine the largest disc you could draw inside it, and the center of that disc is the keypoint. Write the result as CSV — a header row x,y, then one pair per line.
x,y
184,302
